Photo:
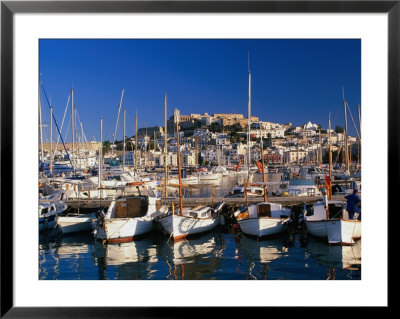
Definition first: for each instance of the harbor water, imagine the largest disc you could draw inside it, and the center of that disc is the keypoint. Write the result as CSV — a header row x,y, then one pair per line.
x,y
223,254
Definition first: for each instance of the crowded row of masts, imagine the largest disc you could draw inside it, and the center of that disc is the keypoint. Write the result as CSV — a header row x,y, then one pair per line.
x,y
347,152
346,157
77,139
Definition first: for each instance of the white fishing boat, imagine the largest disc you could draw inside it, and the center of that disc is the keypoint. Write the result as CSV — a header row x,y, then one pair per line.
x,y
190,221
330,220
332,223
75,223
48,210
129,215
263,219
187,221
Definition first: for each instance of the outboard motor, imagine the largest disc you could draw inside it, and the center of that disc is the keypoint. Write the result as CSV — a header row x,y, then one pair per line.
x,y
100,218
302,214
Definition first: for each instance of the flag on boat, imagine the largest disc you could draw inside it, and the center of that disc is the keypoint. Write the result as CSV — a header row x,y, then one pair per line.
x,y
327,181
260,167
238,165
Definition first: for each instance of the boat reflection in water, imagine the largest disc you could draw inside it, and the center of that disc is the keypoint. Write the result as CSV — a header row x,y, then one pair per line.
x,y
260,253
63,257
335,257
195,258
131,260
73,246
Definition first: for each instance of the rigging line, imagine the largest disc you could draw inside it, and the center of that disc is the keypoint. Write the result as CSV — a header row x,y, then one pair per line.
x,y
82,133
351,115
62,123
116,125
69,124
337,156
47,99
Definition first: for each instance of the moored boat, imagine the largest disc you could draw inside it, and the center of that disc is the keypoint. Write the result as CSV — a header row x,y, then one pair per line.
x,y
263,219
332,223
75,223
191,221
129,216
48,210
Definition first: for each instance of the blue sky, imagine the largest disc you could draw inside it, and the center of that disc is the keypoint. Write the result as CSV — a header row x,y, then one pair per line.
x,y
292,80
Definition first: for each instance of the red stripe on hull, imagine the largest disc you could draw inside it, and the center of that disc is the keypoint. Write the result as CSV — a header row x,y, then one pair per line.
x,y
179,238
344,243
120,240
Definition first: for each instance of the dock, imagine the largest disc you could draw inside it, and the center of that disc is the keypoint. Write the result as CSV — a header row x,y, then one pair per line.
x,y
207,201
240,201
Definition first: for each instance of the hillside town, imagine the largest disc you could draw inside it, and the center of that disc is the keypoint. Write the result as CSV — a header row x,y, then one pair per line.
x,y
218,139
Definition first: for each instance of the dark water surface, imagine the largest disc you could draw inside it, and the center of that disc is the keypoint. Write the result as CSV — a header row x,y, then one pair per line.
x,y
223,254
215,255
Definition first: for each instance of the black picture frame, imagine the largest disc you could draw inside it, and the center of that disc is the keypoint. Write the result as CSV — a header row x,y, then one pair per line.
x,y
9,8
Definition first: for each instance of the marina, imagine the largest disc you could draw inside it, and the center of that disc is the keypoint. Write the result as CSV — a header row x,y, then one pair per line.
x,y
221,196
222,253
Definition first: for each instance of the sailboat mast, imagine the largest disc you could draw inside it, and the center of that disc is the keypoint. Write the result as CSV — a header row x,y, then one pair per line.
x,y
196,150
359,138
82,139
73,128
135,167
123,158
248,127
51,140
165,146
149,154
100,151
40,125
319,147
179,167
263,173
330,159
345,133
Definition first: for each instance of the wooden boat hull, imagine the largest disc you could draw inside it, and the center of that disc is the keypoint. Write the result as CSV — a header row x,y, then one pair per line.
x,y
117,230
74,224
184,226
263,226
336,231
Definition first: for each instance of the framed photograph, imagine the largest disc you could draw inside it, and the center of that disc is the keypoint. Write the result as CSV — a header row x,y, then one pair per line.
x,y
226,85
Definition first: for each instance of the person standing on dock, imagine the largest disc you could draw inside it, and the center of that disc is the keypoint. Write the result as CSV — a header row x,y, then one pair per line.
x,y
353,202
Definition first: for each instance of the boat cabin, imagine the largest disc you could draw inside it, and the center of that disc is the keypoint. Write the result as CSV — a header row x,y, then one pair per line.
x,y
318,212
262,210
131,206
